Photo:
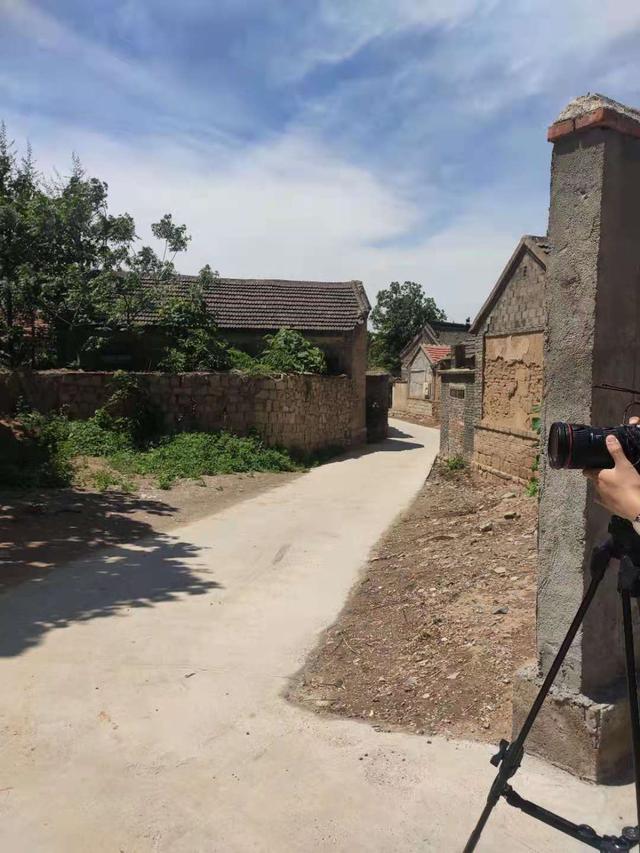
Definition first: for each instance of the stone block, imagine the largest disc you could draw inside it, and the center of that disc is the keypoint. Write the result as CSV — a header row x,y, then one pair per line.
x,y
588,738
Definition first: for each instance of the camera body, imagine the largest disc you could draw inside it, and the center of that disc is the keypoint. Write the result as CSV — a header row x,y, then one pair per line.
x,y
583,446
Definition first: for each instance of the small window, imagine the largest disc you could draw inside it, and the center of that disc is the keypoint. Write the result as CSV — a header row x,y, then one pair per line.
x,y
457,392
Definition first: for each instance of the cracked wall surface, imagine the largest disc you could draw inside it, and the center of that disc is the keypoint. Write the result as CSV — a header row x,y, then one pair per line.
x,y
512,380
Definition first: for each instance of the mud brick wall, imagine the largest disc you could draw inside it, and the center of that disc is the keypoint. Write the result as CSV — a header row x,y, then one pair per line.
x,y
303,413
505,443
402,404
520,309
512,379
509,363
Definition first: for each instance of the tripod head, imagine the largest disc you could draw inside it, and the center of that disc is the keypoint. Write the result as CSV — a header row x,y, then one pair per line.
x,y
624,541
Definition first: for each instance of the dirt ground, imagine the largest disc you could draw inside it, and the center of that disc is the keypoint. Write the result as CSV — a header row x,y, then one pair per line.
x,y
41,529
444,614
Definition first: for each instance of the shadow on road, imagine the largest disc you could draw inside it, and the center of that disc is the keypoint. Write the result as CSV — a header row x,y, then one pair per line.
x,y
90,540
109,582
42,529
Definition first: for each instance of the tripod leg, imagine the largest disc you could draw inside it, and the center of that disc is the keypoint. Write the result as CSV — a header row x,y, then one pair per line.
x,y
632,687
477,831
510,755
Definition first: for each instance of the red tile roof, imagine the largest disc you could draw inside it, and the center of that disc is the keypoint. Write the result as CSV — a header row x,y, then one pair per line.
x,y
240,303
436,353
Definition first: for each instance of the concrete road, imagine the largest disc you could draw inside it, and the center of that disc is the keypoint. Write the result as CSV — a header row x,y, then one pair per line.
x,y
141,708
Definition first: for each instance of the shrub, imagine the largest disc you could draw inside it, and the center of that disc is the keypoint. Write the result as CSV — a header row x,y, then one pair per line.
x,y
95,437
196,350
196,454
239,360
290,352
30,453
130,410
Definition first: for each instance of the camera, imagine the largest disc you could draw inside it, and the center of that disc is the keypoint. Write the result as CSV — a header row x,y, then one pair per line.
x,y
582,446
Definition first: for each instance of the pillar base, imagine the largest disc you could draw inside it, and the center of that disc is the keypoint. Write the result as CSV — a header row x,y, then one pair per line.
x,y
590,739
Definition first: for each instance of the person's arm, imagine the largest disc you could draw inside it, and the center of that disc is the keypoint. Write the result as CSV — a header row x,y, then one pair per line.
x,y
618,488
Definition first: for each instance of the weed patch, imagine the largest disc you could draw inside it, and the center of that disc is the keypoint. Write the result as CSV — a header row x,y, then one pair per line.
x,y
193,455
45,446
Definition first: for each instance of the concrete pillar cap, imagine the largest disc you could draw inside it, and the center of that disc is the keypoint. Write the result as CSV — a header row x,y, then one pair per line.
x,y
594,110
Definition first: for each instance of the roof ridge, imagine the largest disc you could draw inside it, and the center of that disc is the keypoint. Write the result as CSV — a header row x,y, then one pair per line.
x,y
270,304
343,283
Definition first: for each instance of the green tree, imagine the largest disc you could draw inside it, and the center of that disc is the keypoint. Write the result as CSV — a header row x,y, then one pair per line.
x,y
134,286
196,343
400,312
22,255
72,276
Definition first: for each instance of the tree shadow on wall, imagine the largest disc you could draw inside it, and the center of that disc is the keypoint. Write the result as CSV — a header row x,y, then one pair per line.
x,y
106,581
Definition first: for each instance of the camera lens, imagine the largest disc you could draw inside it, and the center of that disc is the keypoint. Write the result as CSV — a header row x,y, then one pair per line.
x,y
560,445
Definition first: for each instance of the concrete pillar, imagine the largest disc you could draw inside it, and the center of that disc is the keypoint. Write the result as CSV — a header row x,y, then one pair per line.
x,y
592,337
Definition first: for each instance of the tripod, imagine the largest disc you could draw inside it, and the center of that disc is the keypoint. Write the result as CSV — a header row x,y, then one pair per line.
x,y
622,544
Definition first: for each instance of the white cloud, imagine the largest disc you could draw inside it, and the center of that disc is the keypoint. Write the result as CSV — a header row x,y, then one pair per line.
x,y
296,207
290,209
511,50
340,28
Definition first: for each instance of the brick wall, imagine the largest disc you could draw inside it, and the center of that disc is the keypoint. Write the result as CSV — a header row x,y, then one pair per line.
x,y
457,405
301,413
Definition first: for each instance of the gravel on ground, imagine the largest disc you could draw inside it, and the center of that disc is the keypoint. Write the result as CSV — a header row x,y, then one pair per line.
x,y
444,614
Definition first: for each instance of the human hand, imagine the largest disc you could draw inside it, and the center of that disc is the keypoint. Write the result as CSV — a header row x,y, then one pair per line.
x,y
618,488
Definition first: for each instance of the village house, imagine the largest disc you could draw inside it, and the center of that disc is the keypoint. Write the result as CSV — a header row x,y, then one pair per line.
x,y
417,391
492,391
331,314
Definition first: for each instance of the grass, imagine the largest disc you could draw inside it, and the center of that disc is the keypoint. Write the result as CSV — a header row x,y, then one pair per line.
x,y
50,447
455,463
192,455
533,488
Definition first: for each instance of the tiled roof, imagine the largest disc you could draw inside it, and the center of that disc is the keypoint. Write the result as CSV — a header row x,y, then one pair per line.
x,y
241,303
436,353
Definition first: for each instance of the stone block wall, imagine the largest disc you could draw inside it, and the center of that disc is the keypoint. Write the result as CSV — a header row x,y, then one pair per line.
x,y
507,453
402,404
346,352
303,413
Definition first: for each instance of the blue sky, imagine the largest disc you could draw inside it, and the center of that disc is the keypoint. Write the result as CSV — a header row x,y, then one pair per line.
x,y
320,139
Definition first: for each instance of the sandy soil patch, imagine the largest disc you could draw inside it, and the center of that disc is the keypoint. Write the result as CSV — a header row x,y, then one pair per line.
x,y
444,614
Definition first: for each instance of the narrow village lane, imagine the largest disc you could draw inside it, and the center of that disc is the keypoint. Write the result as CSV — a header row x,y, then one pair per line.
x,y
141,705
